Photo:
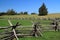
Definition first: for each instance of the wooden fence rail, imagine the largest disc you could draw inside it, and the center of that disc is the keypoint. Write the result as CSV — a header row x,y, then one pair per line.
x,y
34,30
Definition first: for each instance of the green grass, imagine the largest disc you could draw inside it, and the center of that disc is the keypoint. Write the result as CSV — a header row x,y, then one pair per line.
x,y
23,22
50,35
4,22
28,22
45,22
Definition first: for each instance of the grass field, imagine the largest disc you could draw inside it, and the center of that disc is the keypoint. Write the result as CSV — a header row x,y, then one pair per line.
x,y
4,22
47,35
24,22
29,22
30,16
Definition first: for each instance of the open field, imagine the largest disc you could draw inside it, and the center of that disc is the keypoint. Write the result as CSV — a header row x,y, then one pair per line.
x,y
30,16
47,35
29,20
4,22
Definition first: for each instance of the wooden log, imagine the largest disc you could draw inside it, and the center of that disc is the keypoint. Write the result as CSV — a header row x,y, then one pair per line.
x,y
3,27
13,30
9,37
24,35
15,34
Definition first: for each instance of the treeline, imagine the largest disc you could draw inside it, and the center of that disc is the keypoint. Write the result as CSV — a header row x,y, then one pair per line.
x,y
12,12
42,11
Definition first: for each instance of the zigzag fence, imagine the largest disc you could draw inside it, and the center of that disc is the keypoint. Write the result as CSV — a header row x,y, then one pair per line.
x,y
7,33
21,31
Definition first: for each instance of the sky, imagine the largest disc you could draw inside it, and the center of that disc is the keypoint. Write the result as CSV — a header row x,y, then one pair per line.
x,y
31,6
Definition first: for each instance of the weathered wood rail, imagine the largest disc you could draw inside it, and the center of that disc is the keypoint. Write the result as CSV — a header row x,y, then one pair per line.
x,y
35,29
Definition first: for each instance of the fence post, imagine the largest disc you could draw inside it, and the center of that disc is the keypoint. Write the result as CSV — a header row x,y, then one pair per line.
x,y
13,30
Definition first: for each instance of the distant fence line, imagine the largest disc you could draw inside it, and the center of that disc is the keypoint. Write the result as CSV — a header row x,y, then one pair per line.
x,y
30,18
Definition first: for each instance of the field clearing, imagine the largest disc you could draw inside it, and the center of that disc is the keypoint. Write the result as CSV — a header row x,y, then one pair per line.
x,y
4,22
48,35
30,16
